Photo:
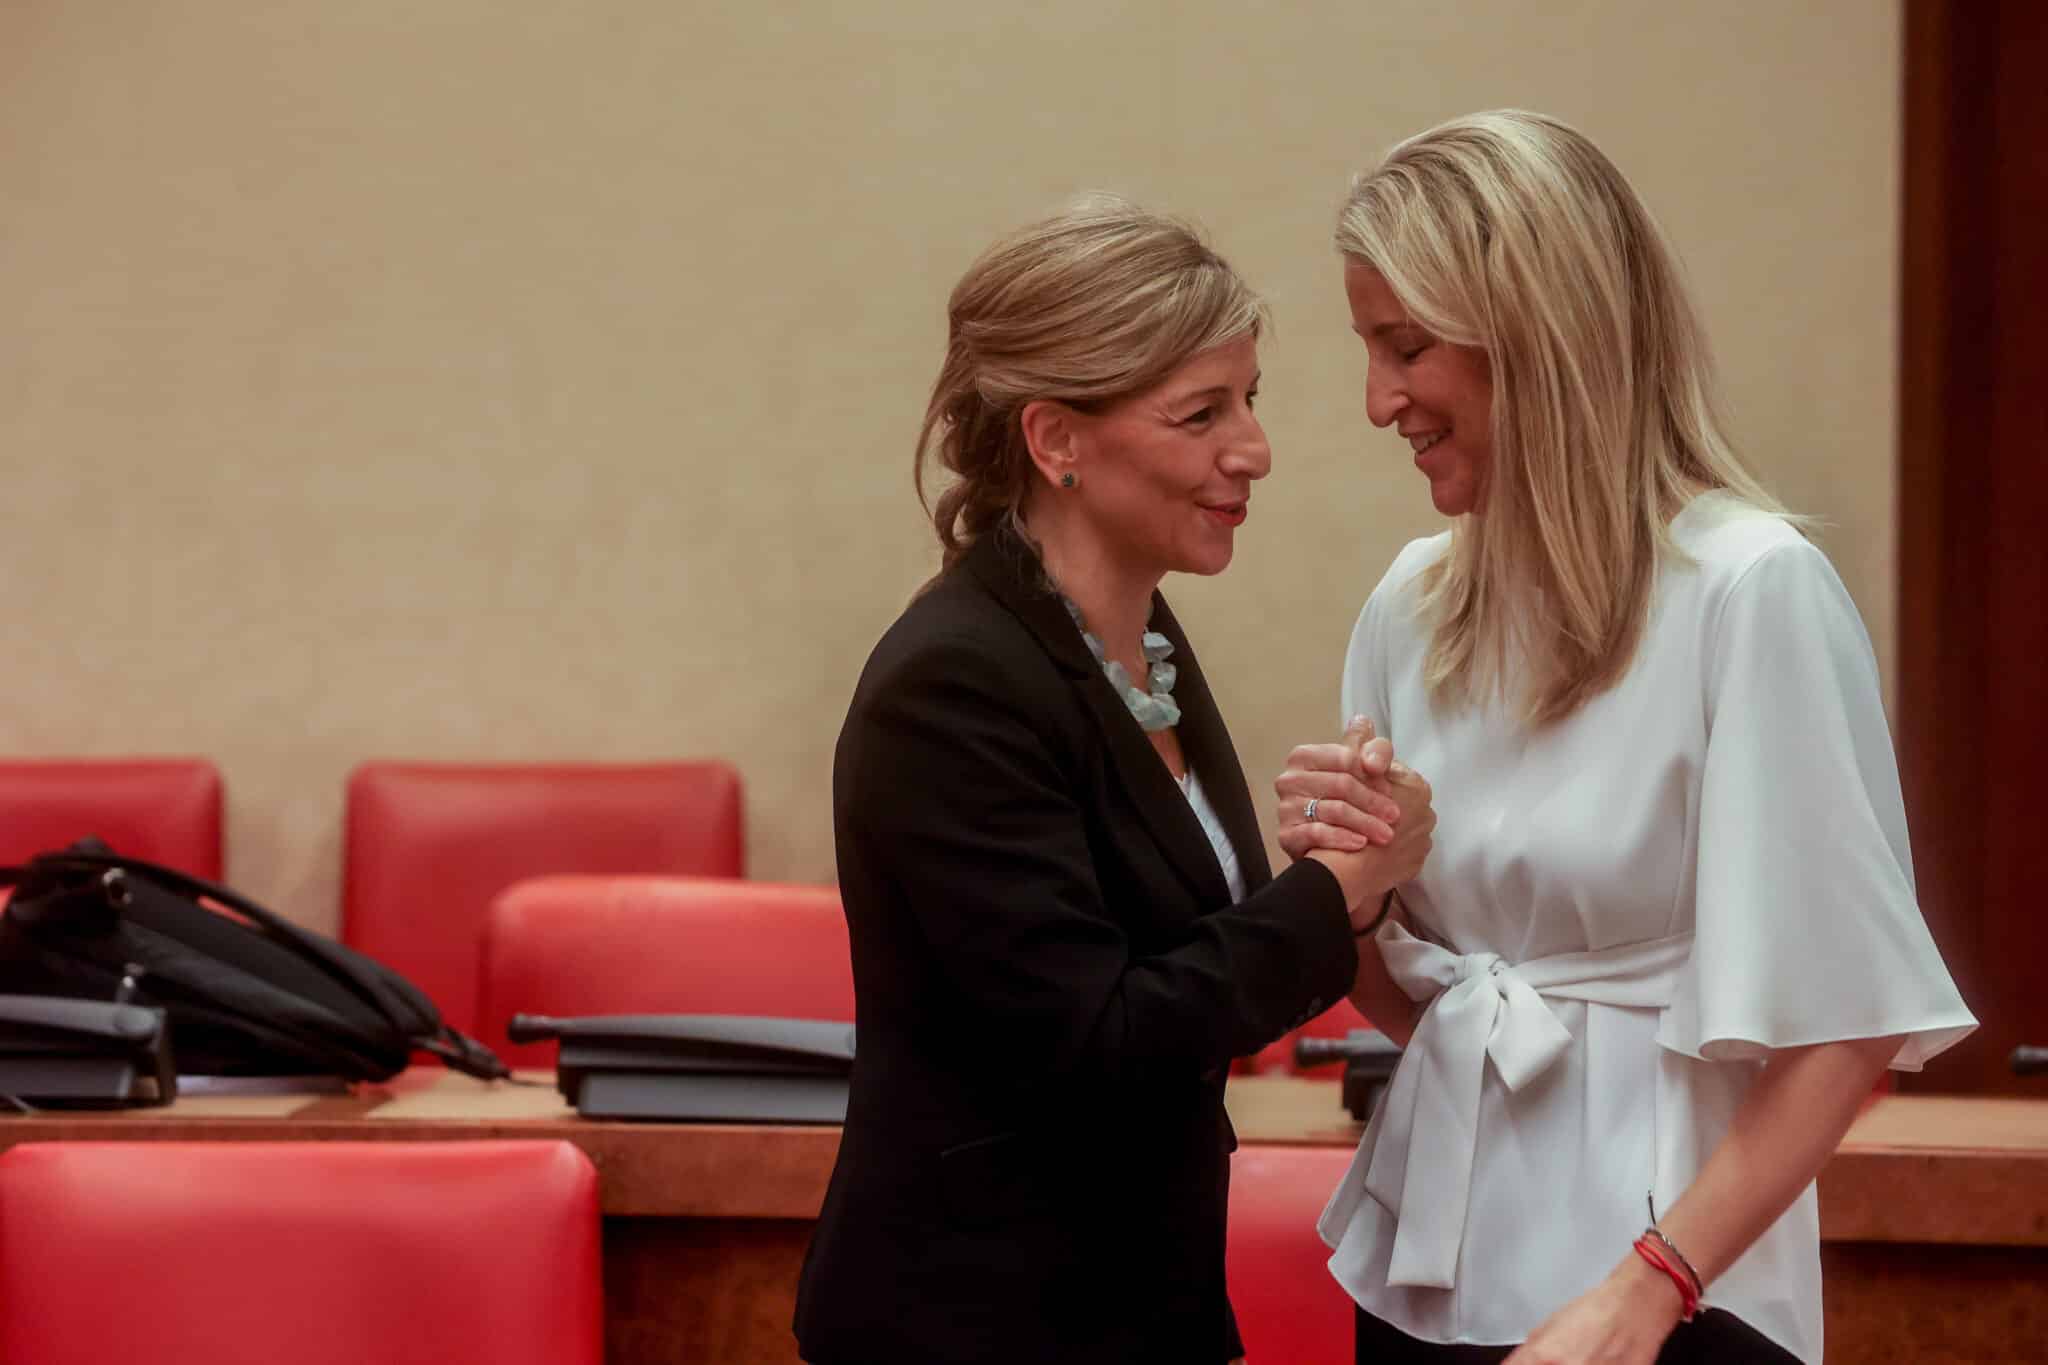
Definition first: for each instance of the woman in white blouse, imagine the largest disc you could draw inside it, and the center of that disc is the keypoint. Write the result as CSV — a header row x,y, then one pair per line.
x,y
1667,940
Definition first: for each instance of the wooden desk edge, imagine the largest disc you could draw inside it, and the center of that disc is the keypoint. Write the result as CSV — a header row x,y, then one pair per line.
x,y
644,1170
1870,1192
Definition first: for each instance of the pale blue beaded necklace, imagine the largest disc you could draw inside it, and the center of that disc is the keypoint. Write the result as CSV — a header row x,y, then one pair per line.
x,y
1153,705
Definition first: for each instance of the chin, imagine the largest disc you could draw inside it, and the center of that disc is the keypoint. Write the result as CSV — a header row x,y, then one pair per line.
x,y
1206,565
1452,501
1219,562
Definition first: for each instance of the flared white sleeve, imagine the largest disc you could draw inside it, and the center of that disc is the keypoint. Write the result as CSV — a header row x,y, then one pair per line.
x,y
1806,928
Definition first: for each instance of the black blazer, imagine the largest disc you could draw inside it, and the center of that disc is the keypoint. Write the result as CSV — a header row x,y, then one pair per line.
x,y
1050,982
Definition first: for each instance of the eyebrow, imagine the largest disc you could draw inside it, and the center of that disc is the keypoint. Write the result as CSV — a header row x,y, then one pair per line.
x,y
1382,330
1213,391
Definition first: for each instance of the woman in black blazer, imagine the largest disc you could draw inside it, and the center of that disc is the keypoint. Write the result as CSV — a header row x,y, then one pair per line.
x,y
1063,924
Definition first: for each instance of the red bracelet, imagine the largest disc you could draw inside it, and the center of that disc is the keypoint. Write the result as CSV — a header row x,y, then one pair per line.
x,y
1688,1297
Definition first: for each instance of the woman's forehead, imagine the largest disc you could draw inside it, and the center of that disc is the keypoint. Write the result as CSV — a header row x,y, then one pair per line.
x,y
1234,364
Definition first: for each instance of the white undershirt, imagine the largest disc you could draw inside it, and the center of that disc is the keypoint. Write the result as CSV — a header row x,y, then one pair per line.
x,y
1191,787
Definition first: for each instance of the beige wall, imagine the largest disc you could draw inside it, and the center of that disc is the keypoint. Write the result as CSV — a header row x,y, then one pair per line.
x,y
471,379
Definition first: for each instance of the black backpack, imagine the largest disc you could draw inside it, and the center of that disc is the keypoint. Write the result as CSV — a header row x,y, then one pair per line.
x,y
248,993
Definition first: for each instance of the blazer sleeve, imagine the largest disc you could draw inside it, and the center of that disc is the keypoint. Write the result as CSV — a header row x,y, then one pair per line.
x,y
950,791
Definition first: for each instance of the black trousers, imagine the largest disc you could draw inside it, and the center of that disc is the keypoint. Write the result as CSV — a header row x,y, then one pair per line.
x,y
1714,1337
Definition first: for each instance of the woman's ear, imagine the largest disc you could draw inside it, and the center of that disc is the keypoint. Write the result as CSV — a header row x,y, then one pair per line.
x,y
1050,428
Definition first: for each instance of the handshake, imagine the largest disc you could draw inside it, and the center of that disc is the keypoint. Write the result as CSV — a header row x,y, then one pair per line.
x,y
1355,808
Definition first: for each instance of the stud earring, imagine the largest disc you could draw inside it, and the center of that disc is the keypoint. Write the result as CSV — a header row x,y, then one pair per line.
x,y
1067,480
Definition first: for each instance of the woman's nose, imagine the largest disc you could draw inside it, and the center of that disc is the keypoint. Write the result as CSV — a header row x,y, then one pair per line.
x,y
1249,455
1383,399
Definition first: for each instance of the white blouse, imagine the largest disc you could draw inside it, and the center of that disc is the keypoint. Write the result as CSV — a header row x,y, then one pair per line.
x,y
1622,915
1219,839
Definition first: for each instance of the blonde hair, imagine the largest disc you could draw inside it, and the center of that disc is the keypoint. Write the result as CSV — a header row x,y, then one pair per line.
x,y
1088,306
1511,232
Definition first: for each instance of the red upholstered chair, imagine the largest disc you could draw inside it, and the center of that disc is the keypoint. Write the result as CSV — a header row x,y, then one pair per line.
x,y
317,1253
165,810
429,845
1289,1307
661,945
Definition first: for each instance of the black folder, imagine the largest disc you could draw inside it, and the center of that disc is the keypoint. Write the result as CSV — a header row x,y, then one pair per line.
x,y
56,1052
700,1068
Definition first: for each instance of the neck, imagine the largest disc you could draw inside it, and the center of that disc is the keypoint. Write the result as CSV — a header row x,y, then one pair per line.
x,y
1115,599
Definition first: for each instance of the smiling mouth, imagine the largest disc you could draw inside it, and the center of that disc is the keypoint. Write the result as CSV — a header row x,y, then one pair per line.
x,y
1422,445
1229,513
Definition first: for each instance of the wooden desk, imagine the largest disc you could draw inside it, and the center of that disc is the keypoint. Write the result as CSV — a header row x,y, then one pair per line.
x,y
1934,1214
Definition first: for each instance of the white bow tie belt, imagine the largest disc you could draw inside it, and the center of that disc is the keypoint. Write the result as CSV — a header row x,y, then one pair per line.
x,y
1417,1153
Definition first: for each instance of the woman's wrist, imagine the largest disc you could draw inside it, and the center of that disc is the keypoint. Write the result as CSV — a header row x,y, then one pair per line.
x,y
1372,926
1353,880
1648,1291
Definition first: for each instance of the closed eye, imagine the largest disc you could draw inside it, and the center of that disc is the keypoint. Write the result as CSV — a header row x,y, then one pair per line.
x,y
1207,412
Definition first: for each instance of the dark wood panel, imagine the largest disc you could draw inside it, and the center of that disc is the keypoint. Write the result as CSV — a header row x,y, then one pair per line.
x,y
2015,932
1973,512
1899,1304
684,1291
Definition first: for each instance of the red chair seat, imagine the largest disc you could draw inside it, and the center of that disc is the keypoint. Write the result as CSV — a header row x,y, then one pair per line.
x,y
430,845
316,1253
661,945
1289,1307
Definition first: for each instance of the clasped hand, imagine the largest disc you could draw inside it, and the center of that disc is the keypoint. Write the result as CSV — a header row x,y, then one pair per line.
x,y
1359,811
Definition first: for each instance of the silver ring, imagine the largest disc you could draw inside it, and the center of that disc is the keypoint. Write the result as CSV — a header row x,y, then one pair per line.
x,y
1308,812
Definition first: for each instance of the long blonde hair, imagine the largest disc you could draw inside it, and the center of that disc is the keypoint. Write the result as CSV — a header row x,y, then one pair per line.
x,y
1088,306
1511,232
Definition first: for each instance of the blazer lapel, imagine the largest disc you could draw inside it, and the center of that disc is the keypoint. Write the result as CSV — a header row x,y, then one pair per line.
x,y
1205,743
1013,573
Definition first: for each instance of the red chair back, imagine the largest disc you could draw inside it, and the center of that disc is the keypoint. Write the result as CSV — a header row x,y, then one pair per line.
x,y
165,810
430,845
1289,1307
317,1253
661,945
